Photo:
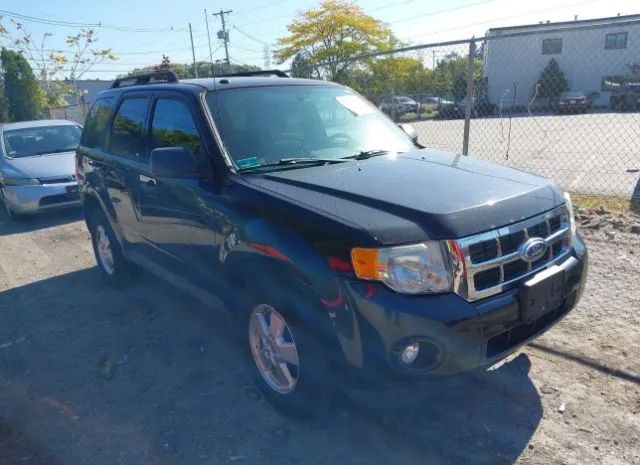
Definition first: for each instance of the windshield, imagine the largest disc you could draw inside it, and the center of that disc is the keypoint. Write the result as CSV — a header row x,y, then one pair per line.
x,y
42,140
262,125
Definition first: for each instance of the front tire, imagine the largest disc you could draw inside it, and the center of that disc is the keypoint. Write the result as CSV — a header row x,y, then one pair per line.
x,y
114,268
289,364
8,212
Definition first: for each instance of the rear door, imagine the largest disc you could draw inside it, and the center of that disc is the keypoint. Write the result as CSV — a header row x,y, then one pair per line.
x,y
126,164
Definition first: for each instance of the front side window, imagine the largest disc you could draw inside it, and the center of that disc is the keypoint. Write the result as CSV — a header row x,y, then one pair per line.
x,y
174,126
615,41
552,46
97,124
43,140
127,130
262,125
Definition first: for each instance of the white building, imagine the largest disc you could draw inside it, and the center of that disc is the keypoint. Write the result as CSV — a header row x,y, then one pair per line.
x,y
591,53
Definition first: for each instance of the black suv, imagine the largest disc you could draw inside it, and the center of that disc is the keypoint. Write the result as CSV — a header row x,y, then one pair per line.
x,y
336,242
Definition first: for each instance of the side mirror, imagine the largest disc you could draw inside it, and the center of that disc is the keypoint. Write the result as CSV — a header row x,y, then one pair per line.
x,y
410,131
174,162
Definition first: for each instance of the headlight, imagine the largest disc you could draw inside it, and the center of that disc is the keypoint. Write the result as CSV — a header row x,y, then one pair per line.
x,y
572,219
409,269
18,181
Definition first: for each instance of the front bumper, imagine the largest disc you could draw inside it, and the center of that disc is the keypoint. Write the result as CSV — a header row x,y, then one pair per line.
x,y
33,199
457,336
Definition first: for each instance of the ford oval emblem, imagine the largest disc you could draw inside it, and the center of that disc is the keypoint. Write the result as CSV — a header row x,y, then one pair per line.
x,y
534,249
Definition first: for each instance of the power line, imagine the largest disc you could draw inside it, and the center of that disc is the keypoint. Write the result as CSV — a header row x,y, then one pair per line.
x,y
493,20
260,7
439,12
55,22
146,52
248,36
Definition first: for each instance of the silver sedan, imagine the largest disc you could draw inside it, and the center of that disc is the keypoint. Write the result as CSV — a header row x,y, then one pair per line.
x,y
37,165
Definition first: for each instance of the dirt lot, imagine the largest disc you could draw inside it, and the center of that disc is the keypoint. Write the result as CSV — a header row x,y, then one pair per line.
x,y
90,375
596,153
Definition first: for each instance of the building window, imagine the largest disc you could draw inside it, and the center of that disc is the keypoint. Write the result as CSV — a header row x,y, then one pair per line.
x,y
615,41
552,46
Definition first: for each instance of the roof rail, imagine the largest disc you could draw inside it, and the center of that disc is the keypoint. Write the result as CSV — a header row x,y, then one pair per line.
x,y
164,75
270,72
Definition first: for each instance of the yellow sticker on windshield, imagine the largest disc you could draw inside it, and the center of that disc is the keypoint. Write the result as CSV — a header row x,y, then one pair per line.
x,y
355,104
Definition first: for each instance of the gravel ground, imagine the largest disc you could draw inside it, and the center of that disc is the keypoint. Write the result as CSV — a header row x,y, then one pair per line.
x,y
90,375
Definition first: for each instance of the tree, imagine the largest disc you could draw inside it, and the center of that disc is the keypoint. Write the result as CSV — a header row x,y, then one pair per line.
x,y
58,70
391,75
337,30
450,74
4,103
205,68
24,96
301,66
552,81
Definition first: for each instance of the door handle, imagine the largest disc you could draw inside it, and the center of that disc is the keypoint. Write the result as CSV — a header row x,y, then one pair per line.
x,y
147,180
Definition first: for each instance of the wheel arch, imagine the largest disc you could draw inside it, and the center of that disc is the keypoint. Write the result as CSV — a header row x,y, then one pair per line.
x,y
92,201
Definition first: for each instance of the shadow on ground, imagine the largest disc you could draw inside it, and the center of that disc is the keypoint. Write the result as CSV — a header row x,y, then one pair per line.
x,y
146,375
48,219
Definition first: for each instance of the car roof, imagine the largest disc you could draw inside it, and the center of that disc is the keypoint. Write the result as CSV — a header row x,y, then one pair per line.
x,y
198,86
36,124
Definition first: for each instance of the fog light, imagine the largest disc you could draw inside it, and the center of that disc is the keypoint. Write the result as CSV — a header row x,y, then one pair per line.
x,y
410,353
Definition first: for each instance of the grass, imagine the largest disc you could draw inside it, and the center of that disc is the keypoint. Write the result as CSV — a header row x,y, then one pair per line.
x,y
605,201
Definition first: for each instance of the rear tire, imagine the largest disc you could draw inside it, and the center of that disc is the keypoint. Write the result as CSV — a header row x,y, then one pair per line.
x,y
115,269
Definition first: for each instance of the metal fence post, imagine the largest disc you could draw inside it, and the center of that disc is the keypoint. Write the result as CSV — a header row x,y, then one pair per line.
x,y
469,99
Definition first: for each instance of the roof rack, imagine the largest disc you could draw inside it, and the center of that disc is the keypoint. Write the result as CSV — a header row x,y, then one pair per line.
x,y
270,72
145,78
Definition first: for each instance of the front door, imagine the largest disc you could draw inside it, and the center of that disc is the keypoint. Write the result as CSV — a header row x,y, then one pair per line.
x,y
176,213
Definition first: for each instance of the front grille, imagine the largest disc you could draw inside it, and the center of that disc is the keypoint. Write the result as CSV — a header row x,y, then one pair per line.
x,y
492,261
58,180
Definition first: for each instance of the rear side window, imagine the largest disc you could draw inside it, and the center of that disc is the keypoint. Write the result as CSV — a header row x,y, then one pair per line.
x,y
95,130
174,126
127,130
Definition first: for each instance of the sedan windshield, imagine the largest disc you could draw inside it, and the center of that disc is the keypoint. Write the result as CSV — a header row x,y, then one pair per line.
x,y
262,125
42,140
572,94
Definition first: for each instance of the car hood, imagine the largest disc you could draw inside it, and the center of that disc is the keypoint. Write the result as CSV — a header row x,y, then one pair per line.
x,y
417,196
40,166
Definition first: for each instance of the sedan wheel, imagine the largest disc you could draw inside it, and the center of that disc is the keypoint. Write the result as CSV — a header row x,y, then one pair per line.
x,y
273,349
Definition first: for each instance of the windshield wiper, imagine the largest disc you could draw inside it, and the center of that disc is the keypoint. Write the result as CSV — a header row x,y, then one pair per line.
x,y
303,161
366,154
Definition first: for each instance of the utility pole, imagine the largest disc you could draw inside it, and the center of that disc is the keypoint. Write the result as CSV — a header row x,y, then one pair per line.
x,y
193,52
266,53
206,19
224,34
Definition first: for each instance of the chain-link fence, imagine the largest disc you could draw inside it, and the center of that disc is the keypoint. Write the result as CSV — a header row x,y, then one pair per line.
x,y
562,102
75,113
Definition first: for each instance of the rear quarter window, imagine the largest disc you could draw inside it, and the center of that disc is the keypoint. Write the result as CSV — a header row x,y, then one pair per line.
x,y
96,126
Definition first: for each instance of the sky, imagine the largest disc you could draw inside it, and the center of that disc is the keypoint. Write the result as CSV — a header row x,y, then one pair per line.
x,y
149,28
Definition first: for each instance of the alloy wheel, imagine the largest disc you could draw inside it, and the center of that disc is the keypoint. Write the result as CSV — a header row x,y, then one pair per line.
x,y
103,246
273,349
